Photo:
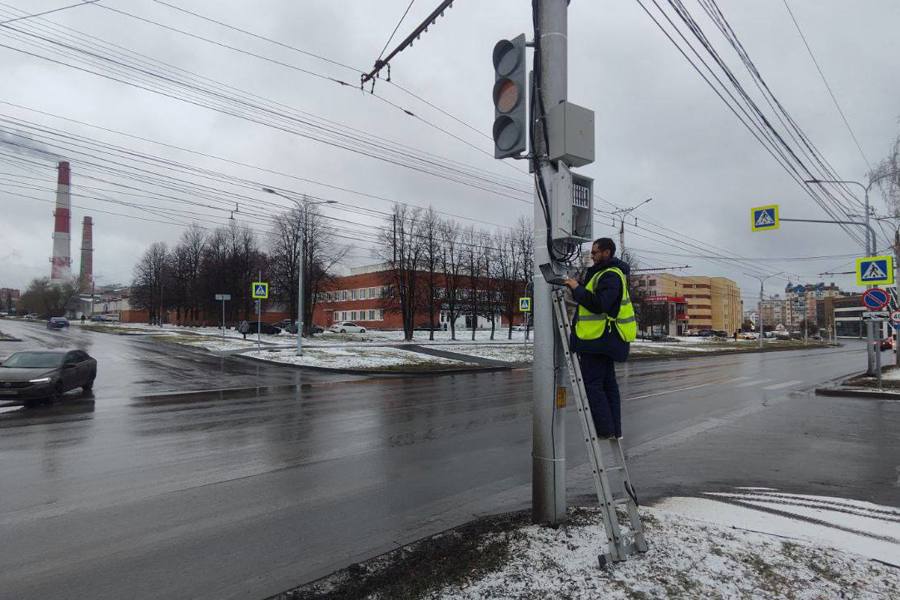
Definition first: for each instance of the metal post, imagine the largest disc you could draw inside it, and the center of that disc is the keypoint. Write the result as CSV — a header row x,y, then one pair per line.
x,y
258,319
548,495
223,320
871,352
897,290
302,260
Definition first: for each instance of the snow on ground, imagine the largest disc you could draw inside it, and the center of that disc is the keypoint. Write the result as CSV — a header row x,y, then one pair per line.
x,y
511,353
861,527
368,357
696,551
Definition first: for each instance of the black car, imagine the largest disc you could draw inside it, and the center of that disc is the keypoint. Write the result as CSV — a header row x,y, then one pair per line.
x,y
263,328
33,375
57,323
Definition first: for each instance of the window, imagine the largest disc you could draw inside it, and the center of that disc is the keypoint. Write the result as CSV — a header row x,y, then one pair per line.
x,y
343,294
652,282
353,294
343,315
371,315
353,313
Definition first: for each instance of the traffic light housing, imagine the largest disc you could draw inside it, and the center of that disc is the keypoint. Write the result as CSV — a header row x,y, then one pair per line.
x,y
510,98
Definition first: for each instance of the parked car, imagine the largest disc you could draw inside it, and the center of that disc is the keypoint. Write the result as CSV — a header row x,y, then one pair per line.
x,y
33,375
57,323
264,328
346,327
313,329
747,335
705,333
32,317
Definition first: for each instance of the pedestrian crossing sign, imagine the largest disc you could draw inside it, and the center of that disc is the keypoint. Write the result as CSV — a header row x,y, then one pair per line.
x,y
260,290
525,305
764,218
875,270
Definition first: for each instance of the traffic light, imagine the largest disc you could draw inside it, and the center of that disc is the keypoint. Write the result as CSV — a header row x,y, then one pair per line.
x,y
510,98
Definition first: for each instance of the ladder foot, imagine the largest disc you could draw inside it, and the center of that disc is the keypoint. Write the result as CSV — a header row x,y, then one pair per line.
x,y
603,560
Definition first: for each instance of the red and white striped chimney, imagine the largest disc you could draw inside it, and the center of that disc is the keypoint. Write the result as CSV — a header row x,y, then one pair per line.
x,y
86,277
61,263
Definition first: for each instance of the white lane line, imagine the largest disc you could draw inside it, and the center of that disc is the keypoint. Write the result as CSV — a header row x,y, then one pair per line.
x,y
692,387
779,386
756,382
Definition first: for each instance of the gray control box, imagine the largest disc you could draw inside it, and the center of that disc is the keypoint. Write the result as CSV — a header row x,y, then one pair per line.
x,y
572,207
571,134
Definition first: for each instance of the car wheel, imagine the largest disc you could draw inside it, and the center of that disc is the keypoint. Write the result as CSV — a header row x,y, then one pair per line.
x,y
57,392
88,385
343,331
362,330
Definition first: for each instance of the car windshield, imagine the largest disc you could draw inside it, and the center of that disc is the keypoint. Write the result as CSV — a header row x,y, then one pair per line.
x,y
33,360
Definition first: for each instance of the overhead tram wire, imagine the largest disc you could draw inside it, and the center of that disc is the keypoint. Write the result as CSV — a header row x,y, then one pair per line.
x,y
834,99
806,146
47,12
765,136
335,80
193,87
768,128
355,70
394,32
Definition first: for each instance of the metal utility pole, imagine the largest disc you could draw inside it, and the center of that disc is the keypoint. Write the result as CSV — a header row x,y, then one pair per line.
x,y
302,206
624,212
895,334
548,491
762,280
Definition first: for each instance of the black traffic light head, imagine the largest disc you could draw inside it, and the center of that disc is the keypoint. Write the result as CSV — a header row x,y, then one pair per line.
x,y
510,98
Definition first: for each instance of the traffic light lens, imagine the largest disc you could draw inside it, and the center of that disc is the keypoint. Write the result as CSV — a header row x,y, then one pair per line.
x,y
506,57
506,95
507,133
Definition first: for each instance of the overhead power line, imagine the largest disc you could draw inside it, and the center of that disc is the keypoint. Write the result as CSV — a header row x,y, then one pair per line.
x,y
47,12
834,99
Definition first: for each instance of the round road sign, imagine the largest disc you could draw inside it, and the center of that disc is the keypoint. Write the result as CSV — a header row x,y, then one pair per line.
x,y
895,317
875,299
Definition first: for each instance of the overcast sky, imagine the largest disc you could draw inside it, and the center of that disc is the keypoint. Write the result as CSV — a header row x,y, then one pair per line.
x,y
660,131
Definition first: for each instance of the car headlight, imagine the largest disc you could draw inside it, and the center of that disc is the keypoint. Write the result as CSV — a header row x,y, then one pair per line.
x,y
40,380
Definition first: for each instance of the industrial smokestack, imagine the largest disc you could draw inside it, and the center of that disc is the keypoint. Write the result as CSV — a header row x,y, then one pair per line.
x,y
86,277
61,263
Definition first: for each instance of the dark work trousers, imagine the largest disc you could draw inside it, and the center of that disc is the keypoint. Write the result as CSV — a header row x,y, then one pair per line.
x,y
599,373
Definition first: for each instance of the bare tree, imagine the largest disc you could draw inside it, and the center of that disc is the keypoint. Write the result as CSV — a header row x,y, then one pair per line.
x,y
452,263
186,270
285,245
48,299
523,238
321,254
430,233
148,288
887,176
506,271
473,251
402,250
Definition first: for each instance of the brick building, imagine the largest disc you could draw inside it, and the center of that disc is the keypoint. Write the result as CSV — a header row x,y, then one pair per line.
x,y
365,298
9,297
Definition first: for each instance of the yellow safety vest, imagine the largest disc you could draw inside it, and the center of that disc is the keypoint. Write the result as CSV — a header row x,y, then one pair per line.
x,y
590,326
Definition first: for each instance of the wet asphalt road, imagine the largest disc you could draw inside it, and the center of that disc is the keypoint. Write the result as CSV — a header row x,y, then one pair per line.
x,y
246,495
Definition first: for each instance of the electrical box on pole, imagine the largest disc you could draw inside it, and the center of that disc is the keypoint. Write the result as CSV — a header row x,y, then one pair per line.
x,y
572,207
570,131
510,98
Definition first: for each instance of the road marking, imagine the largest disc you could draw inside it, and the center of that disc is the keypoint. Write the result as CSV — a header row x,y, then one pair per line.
x,y
755,382
779,386
692,387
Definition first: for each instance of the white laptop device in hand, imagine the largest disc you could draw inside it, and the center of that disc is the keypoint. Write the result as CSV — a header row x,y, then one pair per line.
x,y
550,275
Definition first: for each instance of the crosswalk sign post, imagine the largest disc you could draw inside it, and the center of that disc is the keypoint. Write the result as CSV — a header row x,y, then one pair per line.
x,y
875,270
764,218
525,305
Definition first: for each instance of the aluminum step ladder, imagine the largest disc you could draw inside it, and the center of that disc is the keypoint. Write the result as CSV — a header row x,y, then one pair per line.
x,y
611,479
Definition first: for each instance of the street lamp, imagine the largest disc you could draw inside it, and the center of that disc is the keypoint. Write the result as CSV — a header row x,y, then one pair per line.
x,y
624,212
301,206
762,280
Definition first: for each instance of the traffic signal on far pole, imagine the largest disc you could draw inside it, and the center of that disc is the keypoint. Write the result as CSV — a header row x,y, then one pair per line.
x,y
510,98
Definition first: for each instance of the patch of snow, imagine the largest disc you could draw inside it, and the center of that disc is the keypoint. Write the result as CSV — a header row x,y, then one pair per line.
x,y
512,353
687,558
369,357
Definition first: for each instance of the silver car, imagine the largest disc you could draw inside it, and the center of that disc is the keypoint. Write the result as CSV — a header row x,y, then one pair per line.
x,y
34,375
347,327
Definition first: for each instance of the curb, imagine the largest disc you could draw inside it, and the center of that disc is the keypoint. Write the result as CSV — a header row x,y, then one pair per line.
x,y
855,392
696,353
399,373
221,393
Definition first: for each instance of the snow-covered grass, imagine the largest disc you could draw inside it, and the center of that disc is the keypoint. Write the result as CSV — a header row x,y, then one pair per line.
x,y
510,353
363,358
730,552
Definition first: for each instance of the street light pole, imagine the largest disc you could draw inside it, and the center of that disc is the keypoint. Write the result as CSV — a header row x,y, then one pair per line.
x,y
762,280
624,212
302,205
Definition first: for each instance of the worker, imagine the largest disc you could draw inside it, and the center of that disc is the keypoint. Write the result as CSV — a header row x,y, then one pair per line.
x,y
603,330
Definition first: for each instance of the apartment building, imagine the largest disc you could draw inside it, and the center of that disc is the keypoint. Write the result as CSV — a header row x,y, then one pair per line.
x,y
772,311
712,302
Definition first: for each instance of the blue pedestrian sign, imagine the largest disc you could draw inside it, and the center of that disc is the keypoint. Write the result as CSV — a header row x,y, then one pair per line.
x,y
764,218
260,290
875,270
